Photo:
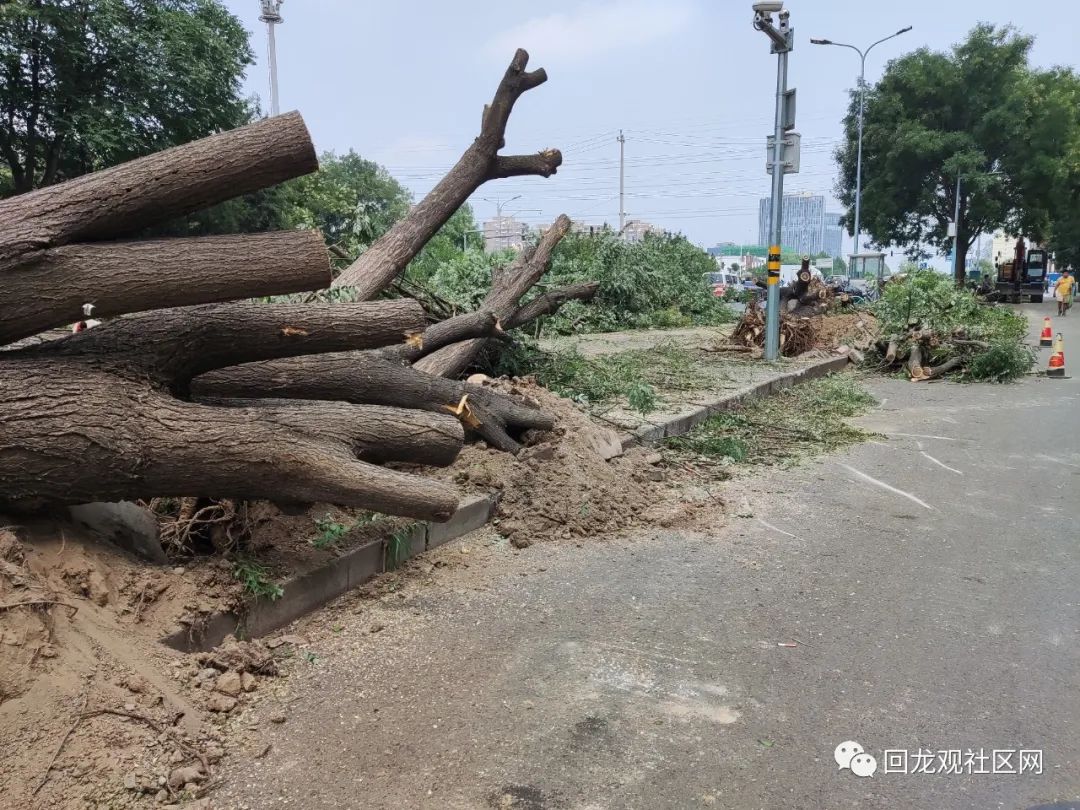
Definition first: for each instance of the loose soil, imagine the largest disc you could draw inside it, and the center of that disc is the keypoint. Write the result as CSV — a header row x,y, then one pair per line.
x,y
95,712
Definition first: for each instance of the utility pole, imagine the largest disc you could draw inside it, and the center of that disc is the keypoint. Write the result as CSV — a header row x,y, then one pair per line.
x,y
783,40
271,15
622,186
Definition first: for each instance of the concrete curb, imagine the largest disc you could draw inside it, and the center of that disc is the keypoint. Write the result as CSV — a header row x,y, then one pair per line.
x,y
687,420
313,589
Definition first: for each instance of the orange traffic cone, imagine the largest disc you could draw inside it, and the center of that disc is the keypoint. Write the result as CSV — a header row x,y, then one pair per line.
x,y
1047,337
1057,359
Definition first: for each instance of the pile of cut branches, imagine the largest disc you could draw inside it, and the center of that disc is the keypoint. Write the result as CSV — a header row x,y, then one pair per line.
x,y
930,328
798,333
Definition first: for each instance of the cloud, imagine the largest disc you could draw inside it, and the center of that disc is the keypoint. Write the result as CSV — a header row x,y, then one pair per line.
x,y
593,29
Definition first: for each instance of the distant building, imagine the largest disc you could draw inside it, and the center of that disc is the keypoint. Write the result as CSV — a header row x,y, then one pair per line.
x,y
803,225
635,230
833,241
502,233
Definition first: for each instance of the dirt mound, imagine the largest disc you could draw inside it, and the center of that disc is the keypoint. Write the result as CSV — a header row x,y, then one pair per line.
x,y
574,481
857,330
94,711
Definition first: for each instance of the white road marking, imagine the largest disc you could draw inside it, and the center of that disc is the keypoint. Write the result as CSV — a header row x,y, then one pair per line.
x,y
921,436
944,466
1045,457
775,529
883,485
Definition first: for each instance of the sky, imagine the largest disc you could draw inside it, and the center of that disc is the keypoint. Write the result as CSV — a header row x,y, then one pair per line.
x,y
689,82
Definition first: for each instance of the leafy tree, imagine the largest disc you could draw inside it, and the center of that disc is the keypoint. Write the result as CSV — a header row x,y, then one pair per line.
x,y
86,84
445,248
977,109
352,200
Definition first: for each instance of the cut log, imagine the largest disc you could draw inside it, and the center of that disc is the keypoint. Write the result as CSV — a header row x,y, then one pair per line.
x,y
364,377
387,257
153,189
174,345
507,288
51,286
933,372
914,362
890,352
549,302
73,432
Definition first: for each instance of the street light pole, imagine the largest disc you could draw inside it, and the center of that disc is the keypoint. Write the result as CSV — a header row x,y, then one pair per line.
x,y
271,15
862,99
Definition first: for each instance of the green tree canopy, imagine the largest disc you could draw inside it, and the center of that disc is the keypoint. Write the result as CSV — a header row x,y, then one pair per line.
x,y
86,84
933,116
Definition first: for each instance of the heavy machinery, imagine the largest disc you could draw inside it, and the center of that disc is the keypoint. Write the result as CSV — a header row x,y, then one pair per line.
x,y
1024,276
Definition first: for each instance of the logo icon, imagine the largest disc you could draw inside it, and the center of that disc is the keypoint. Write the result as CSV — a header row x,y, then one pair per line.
x,y
849,754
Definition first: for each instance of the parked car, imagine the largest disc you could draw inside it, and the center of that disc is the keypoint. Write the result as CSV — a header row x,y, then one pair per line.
x,y
720,281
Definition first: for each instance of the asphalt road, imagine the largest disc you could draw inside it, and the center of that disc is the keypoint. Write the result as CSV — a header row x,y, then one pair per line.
x,y
928,583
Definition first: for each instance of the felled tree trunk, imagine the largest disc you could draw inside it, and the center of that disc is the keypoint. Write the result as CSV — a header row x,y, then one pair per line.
x,y
174,345
144,192
75,432
50,287
387,257
96,415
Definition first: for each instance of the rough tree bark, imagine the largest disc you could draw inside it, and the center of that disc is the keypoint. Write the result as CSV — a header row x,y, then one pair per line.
x,y
72,431
51,286
156,188
507,287
172,346
365,377
388,256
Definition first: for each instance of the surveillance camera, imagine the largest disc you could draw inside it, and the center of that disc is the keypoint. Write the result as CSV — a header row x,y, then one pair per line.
x,y
768,7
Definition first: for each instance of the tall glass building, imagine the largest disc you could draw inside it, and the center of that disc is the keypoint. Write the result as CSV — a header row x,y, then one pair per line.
x,y
806,227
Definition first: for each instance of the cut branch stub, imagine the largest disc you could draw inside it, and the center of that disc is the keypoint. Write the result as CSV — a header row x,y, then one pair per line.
x,y
387,257
174,345
50,287
156,188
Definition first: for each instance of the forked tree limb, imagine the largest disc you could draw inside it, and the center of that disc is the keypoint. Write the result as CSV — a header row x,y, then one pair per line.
x,y
150,190
507,288
51,286
387,257
549,302
74,432
364,377
174,345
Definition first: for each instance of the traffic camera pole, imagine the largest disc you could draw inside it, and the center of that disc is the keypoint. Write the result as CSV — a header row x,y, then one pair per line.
x,y
772,302
782,37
